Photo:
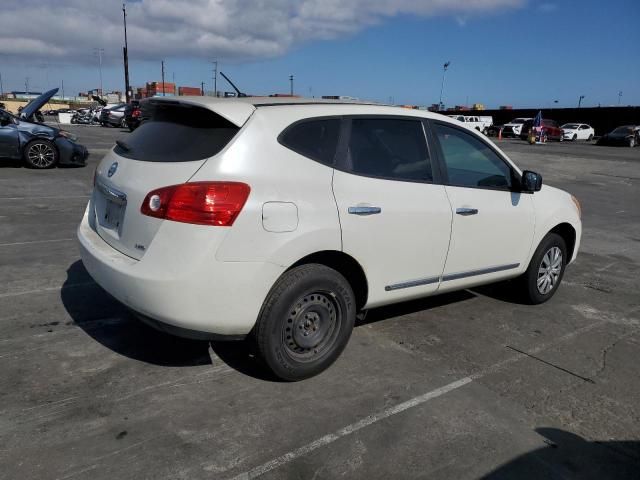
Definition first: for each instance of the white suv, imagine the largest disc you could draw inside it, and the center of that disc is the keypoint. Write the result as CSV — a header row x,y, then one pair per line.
x,y
283,219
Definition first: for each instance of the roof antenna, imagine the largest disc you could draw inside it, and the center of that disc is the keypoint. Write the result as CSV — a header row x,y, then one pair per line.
x,y
238,92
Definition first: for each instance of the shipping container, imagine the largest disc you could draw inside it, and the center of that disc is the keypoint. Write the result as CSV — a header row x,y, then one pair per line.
x,y
189,91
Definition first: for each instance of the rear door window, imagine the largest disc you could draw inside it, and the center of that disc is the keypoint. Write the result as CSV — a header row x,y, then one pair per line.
x,y
174,132
315,139
389,148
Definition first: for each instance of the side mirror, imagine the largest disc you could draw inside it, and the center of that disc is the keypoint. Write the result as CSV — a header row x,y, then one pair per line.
x,y
531,181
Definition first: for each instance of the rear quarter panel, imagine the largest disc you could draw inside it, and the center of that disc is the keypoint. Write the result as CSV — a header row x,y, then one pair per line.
x,y
275,174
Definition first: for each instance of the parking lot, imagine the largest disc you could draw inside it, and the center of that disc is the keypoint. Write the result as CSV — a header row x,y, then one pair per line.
x,y
465,385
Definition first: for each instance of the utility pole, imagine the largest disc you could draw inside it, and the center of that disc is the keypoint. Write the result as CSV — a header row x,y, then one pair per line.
x,y
291,81
444,71
1,87
580,100
202,88
125,54
99,52
619,96
26,85
215,78
62,89
162,77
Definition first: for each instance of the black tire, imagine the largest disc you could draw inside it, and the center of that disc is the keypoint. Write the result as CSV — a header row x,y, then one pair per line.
x,y
529,288
305,322
123,122
40,154
590,138
575,137
632,142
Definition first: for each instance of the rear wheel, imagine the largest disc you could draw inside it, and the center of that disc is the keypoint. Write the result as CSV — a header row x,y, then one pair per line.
x,y
40,153
123,122
305,322
546,269
590,137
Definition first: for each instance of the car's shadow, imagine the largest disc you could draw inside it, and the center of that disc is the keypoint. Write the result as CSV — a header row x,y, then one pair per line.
x,y
111,324
568,455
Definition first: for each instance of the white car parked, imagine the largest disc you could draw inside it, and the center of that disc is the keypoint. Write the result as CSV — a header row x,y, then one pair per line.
x,y
514,127
284,218
577,131
480,124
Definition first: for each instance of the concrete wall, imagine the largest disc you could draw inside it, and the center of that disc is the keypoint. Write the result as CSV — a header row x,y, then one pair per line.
x,y
12,105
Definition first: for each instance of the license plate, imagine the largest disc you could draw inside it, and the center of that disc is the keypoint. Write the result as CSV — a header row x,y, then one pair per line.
x,y
112,215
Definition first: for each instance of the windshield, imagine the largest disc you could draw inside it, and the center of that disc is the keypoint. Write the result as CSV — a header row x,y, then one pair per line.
x,y
570,126
627,130
518,120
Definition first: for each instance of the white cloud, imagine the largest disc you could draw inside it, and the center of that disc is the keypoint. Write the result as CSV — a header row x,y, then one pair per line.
x,y
234,30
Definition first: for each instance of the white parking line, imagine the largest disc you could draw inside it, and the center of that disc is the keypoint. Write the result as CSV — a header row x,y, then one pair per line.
x,y
50,289
36,241
45,198
414,402
349,429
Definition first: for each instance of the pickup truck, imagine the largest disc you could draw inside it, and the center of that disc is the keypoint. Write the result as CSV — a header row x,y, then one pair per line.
x,y
478,123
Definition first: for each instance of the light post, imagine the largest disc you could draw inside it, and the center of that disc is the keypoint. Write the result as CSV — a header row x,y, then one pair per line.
x,y
125,55
291,81
580,100
619,96
99,52
444,71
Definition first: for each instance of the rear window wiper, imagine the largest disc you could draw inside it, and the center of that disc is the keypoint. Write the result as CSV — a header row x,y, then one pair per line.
x,y
123,145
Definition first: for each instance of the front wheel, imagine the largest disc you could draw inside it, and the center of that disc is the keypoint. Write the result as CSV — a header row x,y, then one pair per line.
x,y
305,322
632,142
123,122
40,154
575,137
541,280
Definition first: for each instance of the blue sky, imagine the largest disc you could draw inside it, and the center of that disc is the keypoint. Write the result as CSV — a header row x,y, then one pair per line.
x,y
516,52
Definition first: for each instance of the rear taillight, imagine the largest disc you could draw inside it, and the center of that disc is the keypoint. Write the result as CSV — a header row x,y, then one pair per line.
x,y
201,203
135,113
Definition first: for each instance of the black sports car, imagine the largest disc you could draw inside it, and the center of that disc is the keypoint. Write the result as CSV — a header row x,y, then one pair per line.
x,y
627,135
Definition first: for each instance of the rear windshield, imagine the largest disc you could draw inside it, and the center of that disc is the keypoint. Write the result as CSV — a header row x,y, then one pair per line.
x,y
174,132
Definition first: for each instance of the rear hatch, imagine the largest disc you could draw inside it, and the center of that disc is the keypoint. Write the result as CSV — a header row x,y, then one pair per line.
x,y
174,141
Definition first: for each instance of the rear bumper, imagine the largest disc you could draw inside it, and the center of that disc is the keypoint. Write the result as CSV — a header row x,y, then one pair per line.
x,y
186,291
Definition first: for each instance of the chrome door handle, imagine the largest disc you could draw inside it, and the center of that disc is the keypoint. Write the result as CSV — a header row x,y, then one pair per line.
x,y
467,211
364,210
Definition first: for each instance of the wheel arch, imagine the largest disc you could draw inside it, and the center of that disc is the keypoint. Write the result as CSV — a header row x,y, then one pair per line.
x,y
347,266
568,234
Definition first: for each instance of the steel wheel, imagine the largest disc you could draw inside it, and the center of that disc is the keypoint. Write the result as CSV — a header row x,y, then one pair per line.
x,y
549,270
305,322
41,155
311,326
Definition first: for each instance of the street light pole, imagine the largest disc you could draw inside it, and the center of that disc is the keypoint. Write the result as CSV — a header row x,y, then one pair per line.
x,y
100,52
619,96
291,81
125,54
580,100
162,63
444,71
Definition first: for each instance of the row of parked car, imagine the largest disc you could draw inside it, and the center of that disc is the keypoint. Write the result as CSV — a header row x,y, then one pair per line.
x,y
627,135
